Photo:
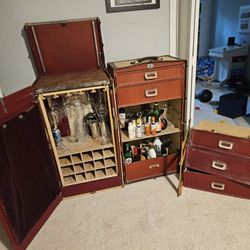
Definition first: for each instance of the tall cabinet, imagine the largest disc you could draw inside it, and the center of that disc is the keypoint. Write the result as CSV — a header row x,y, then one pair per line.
x,y
141,85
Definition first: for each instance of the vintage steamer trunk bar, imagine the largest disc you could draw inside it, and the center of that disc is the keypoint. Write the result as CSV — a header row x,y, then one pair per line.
x,y
146,81
36,174
218,159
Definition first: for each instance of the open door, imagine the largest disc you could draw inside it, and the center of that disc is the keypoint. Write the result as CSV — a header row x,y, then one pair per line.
x,y
29,184
188,13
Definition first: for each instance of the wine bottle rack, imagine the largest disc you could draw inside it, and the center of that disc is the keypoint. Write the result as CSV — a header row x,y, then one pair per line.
x,y
88,166
86,161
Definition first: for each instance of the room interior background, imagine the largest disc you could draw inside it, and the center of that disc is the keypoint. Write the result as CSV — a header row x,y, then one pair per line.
x,y
126,35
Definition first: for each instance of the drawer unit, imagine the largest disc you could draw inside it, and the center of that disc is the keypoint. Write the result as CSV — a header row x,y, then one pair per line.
x,y
215,184
224,165
221,152
141,85
153,167
145,75
222,138
150,92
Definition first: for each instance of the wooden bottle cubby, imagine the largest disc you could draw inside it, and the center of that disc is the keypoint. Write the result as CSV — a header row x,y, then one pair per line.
x,y
85,161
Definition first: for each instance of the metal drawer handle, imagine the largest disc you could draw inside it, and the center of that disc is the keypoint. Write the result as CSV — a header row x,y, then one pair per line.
x,y
151,92
226,144
154,166
219,165
150,75
218,186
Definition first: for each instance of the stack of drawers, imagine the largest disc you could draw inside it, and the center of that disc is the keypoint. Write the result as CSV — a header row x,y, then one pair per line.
x,y
218,159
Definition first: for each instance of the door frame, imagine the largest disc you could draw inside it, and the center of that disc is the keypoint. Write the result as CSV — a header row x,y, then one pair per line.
x,y
185,36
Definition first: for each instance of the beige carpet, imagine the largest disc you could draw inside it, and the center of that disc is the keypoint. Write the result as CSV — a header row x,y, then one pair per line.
x,y
146,215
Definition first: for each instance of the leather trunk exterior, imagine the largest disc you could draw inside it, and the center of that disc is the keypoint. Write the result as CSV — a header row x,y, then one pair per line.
x,y
66,46
219,161
215,184
151,168
136,83
223,165
215,141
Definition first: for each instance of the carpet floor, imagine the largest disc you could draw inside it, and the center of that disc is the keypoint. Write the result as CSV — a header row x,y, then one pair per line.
x,y
146,215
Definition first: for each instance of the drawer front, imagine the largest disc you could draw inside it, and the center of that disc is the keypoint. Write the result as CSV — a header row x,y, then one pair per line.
x,y
220,142
215,184
148,75
224,165
150,92
151,168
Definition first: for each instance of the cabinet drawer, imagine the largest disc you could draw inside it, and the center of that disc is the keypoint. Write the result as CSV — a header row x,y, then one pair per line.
x,y
224,165
215,184
131,77
150,92
151,168
220,142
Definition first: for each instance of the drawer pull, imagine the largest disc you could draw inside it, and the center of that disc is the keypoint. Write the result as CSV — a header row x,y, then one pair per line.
x,y
150,75
218,186
219,165
226,144
151,92
154,166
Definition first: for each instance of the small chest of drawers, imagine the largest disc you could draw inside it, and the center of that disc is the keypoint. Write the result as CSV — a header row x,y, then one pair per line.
x,y
218,159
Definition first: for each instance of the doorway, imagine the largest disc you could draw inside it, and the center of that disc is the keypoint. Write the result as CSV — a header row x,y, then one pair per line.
x,y
223,64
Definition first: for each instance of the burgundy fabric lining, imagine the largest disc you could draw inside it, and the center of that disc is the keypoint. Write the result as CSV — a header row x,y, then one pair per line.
x,y
29,182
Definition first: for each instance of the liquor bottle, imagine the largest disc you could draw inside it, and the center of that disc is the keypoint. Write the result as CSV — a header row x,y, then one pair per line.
x,y
122,117
131,130
153,126
157,115
136,156
157,146
156,112
151,152
127,154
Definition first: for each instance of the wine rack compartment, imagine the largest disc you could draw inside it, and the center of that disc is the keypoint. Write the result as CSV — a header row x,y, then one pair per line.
x,y
84,149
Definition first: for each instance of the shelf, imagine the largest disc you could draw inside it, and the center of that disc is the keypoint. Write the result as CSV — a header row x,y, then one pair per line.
x,y
80,177
76,158
97,154
69,180
67,171
100,173
65,161
79,168
87,157
89,166
109,152
169,130
111,172
99,164
110,162
90,175
76,147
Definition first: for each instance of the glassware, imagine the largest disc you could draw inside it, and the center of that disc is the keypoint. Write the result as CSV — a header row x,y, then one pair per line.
x,y
72,119
104,131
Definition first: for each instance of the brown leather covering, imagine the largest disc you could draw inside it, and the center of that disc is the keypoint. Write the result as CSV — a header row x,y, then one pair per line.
x,y
224,165
212,183
151,168
66,46
29,182
209,140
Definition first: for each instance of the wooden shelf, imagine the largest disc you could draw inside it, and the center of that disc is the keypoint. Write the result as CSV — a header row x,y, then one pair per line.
x,y
167,131
76,147
67,171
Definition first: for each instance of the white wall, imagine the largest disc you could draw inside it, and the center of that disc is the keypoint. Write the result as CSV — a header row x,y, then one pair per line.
x,y
205,27
125,35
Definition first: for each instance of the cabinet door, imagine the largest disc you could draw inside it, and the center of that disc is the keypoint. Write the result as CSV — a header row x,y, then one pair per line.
x,y
29,186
